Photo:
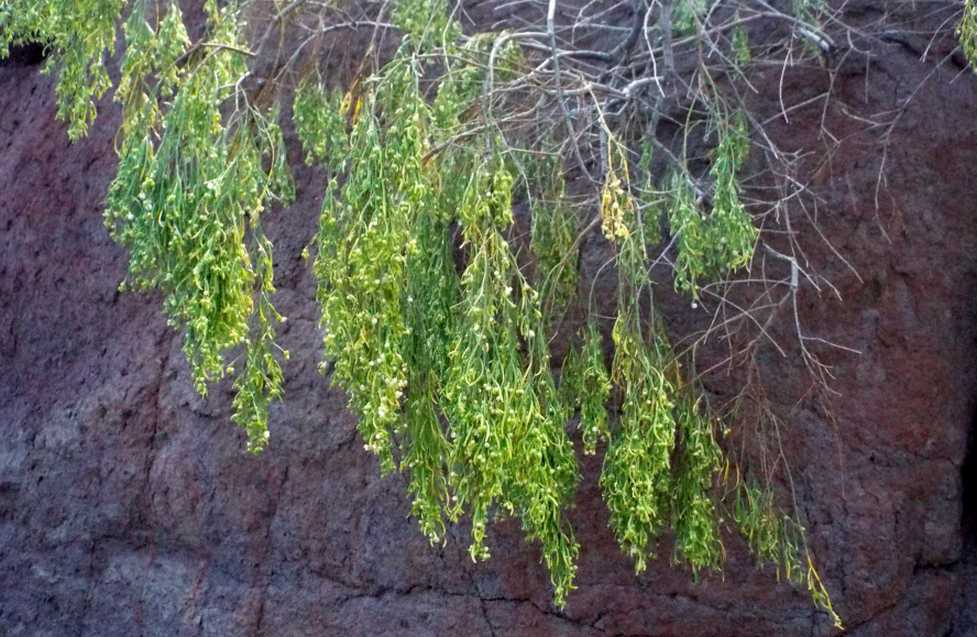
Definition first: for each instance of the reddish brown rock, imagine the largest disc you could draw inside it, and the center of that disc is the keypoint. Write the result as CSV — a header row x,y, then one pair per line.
x,y
128,507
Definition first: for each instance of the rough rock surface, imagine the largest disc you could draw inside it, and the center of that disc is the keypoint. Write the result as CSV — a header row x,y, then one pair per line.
x,y
128,507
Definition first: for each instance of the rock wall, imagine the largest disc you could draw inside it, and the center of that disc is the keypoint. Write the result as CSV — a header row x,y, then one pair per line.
x,y
128,507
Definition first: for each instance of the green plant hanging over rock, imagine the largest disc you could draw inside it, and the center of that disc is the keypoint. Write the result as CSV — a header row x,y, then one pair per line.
x,y
186,202
437,313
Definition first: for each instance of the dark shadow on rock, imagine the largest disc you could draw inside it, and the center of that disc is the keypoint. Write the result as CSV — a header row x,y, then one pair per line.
x,y
31,54
965,623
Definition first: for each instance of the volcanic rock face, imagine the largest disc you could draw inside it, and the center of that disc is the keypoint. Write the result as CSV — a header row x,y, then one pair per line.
x,y
128,507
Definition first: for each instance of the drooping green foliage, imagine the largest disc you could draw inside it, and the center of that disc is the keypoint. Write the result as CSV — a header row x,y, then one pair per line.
x,y
186,202
433,291
150,53
436,333
693,509
586,386
78,35
553,236
617,205
637,477
428,23
776,538
320,123
365,243
685,15
661,463
967,31
474,413
507,428
711,245
741,46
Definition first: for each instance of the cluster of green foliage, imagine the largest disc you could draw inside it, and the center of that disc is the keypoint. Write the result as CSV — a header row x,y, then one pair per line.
x,y
776,538
442,349
188,196
709,246
662,462
967,31
554,235
586,387
449,372
82,33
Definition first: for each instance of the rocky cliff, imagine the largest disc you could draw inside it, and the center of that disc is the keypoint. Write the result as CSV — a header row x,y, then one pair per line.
x,y
128,507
